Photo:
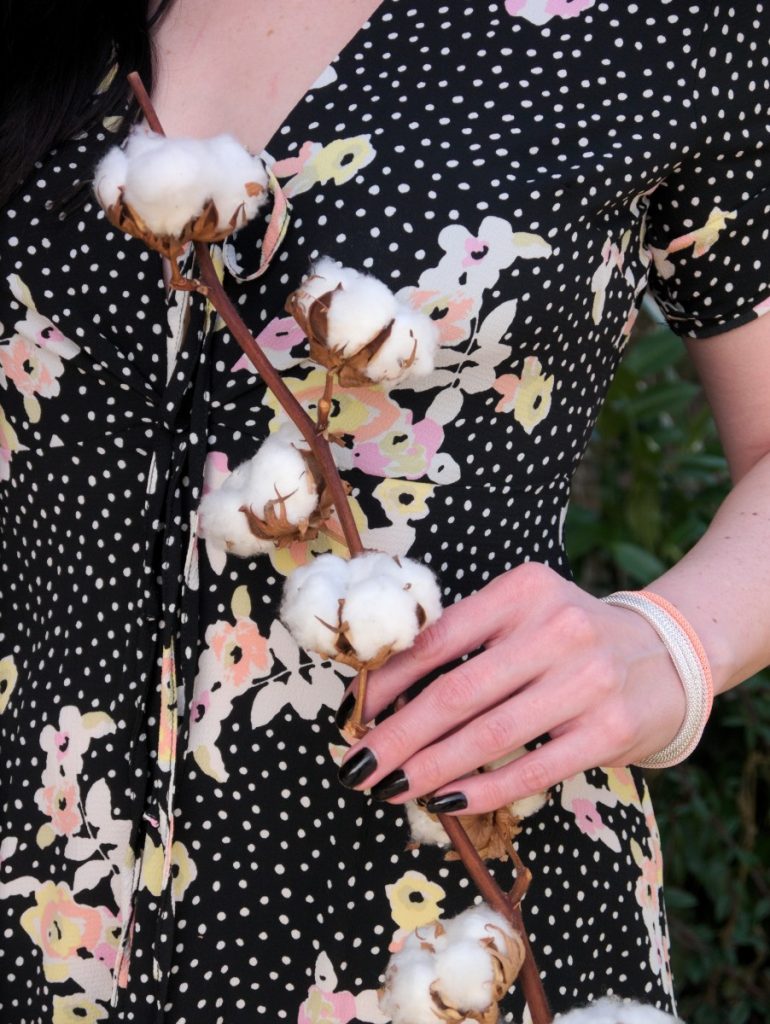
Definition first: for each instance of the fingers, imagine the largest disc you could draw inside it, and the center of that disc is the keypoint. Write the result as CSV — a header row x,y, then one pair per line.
x,y
486,738
534,772
460,695
464,627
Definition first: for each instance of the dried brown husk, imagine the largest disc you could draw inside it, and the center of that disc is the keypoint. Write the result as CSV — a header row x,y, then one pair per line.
x,y
201,228
312,315
491,833
275,526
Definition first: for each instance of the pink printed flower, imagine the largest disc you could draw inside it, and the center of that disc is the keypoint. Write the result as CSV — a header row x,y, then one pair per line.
x,y
241,651
476,249
587,817
451,313
31,369
60,927
280,335
567,8
59,802
405,451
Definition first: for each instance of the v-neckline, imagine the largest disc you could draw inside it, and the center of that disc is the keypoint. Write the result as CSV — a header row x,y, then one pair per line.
x,y
375,18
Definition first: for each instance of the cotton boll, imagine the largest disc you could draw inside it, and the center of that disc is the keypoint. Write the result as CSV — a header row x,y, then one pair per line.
x,y
331,566
279,471
142,140
232,168
613,1011
379,614
110,177
357,314
222,524
309,609
422,586
168,185
406,997
477,924
424,827
371,564
327,274
409,350
464,976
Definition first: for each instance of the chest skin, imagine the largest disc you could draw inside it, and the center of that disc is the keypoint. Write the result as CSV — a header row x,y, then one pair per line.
x,y
241,66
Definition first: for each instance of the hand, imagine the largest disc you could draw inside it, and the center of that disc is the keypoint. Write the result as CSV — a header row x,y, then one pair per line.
x,y
548,658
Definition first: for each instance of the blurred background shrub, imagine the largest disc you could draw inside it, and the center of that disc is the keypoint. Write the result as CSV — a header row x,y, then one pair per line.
x,y
651,481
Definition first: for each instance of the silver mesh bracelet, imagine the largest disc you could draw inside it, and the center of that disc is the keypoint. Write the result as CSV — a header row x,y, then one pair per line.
x,y
691,665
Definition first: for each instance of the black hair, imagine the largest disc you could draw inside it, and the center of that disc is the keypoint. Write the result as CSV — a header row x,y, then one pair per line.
x,y
53,56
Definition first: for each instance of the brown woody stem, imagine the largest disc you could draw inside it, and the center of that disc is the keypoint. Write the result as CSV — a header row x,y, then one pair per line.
x,y
531,985
489,889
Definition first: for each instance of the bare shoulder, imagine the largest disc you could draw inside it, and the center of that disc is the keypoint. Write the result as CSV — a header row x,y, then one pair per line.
x,y
241,67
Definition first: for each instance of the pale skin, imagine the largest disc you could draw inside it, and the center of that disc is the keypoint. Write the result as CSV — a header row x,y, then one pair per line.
x,y
546,657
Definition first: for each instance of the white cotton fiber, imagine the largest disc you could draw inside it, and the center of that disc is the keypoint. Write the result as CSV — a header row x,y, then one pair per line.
x,y
409,350
613,1011
379,613
110,177
424,827
371,563
423,588
357,314
233,167
167,185
309,608
477,924
278,469
222,524
464,976
327,274
406,998
168,182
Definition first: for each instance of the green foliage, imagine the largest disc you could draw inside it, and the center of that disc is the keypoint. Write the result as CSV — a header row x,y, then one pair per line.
x,y
652,479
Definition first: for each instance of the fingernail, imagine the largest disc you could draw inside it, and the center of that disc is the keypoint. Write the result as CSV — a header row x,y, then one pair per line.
x,y
447,803
359,767
391,785
343,711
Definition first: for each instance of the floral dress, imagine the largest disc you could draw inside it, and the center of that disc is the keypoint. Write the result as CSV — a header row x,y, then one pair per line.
x,y
175,845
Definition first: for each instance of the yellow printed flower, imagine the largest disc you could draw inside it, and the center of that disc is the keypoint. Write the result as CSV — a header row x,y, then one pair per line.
x,y
621,783
9,444
702,238
338,161
528,397
183,869
414,901
8,676
60,927
404,499
76,1010
167,731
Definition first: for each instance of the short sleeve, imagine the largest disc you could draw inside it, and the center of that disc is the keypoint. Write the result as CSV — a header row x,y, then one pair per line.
x,y
708,226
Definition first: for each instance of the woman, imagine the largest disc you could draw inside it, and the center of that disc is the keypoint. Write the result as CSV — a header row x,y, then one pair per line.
x,y
175,845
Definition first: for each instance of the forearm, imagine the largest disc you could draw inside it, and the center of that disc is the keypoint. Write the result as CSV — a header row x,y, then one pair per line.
x,y
722,585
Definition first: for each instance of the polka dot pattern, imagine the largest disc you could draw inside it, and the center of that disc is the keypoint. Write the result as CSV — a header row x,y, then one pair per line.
x,y
175,844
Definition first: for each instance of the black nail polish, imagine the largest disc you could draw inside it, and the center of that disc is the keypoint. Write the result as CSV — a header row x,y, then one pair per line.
x,y
344,710
447,803
391,785
359,767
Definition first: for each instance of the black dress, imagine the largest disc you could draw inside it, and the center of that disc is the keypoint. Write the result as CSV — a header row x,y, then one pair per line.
x,y
175,844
